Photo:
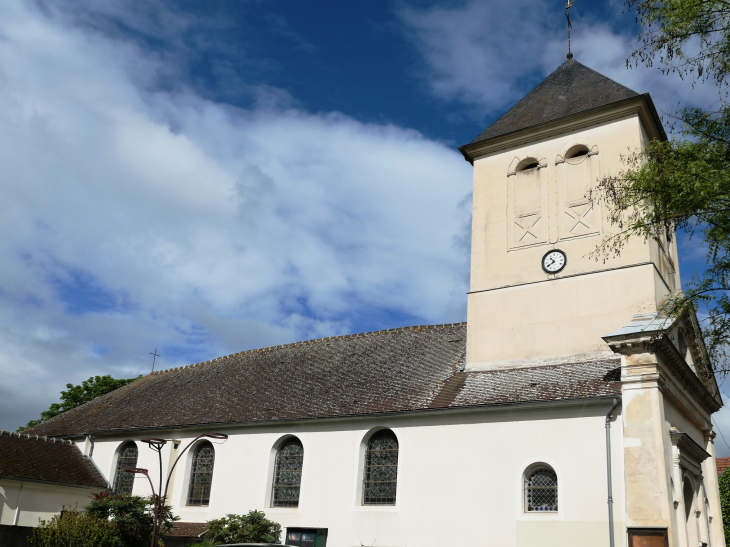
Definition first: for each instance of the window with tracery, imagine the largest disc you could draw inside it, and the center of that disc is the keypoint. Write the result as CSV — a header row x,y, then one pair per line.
x,y
288,474
381,469
541,490
124,482
201,474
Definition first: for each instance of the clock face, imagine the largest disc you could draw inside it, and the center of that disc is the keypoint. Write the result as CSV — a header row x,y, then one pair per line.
x,y
553,261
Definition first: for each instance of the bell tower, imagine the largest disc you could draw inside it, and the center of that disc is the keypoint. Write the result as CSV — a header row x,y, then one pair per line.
x,y
537,291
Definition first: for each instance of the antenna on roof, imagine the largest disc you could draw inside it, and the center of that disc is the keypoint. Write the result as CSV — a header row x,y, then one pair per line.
x,y
568,5
154,356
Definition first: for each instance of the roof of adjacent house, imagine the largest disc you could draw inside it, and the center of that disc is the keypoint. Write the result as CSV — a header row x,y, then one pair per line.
x,y
571,89
722,464
188,529
31,457
406,369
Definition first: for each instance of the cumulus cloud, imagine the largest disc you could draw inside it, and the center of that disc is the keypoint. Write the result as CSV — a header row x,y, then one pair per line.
x,y
138,216
488,54
478,52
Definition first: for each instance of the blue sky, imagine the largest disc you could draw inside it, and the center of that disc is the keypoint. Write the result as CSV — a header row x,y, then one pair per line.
x,y
207,177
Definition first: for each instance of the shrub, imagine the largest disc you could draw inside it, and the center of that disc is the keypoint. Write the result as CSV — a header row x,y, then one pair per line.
x,y
108,521
131,517
724,484
73,528
251,528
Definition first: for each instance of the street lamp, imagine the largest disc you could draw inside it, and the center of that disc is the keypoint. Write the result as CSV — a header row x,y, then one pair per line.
x,y
158,497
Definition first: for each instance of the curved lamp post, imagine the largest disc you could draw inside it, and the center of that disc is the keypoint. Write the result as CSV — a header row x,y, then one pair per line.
x,y
159,497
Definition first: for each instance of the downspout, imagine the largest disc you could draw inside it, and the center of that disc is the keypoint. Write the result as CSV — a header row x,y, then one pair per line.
x,y
89,455
16,517
608,472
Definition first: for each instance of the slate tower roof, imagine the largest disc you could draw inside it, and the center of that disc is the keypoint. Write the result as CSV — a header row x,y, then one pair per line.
x,y
572,88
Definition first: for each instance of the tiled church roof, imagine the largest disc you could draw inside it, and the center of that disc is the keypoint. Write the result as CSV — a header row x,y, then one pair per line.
x,y
24,456
411,368
571,89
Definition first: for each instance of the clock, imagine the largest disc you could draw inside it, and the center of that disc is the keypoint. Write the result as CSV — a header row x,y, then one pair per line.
x,y
554,261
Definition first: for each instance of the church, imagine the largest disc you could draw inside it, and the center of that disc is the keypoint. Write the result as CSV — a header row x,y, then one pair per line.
x,y
566,411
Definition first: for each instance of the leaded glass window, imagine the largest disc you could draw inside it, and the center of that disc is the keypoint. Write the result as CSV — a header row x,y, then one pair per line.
x,y
381,469
201,474
541,490
124,482
288,474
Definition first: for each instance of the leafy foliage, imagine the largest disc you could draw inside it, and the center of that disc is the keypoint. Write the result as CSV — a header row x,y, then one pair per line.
x,y
724,483
74,396
73,528
131,516
683,184
108,521
253,527
690,37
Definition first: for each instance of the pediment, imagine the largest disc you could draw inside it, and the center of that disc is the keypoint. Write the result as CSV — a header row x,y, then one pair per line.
x,y
679,341
686,336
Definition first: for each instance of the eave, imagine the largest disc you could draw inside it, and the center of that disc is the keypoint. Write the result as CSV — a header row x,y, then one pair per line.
x,y
640,105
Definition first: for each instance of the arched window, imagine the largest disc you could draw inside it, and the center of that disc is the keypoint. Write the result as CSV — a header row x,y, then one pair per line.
x,y
124,482
381,469
528,190
576,153
541,489
288,474
579,177
201,474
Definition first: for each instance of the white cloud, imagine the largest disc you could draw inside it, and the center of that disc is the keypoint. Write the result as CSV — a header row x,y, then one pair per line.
x,y
478,52
489,54
136,218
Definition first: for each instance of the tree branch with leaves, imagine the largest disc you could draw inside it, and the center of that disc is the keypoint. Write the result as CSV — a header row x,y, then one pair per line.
x,y
683,184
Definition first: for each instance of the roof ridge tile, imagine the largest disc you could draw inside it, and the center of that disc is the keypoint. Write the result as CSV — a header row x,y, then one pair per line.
x,y
30,437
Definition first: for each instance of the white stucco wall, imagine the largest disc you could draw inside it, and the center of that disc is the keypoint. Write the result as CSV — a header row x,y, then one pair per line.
x,y
542,314
459,477
38,501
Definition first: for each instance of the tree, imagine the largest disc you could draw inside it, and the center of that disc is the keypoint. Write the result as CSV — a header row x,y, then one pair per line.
x,y
251,528
683,184
94,387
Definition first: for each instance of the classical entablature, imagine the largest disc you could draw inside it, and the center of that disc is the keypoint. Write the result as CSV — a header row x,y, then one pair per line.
x,y
669,352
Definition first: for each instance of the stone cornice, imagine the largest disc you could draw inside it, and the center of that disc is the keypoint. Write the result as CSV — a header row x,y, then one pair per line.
x,y
640,105
664,347
660,344
690,454
630,343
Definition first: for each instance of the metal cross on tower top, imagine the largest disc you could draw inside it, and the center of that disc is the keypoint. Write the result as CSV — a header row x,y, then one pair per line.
x,y
568,5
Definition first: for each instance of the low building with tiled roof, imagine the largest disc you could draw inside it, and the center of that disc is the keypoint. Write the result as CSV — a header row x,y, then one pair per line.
x,y
565,402
39,476
722,464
